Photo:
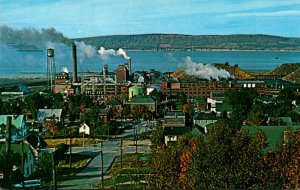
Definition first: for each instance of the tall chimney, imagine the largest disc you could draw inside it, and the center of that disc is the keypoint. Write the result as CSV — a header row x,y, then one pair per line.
x,y
105,70
74,62
129,65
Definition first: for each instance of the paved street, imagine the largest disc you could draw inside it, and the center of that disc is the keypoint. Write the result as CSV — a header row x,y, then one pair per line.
x,y
92,173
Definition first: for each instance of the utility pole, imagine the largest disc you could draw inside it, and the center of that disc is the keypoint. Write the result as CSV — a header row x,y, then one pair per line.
x,y
7,165
101,163
53,170
136,139
121,149
70,159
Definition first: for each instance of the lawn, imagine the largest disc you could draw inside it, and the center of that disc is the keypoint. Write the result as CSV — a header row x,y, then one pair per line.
x,y
79,162
132,175
75,142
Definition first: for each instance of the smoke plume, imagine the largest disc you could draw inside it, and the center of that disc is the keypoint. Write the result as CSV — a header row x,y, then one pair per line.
x,y
122,53
31,36
64,70
106,53
24,50
85,51
204,71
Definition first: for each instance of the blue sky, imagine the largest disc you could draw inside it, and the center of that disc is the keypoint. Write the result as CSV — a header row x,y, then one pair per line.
x,y
82,18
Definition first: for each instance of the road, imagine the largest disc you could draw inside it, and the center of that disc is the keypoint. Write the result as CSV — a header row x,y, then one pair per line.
x,y
91,175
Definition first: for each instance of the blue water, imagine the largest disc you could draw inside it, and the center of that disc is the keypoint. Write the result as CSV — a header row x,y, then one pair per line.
x,y
34,63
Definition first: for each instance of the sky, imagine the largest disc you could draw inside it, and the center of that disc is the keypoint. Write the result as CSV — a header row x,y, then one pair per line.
x,y
87,18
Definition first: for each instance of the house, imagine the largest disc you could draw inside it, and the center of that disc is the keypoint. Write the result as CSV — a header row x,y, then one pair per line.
x,y
22,151
174,126
213,100
203,119
173,134
84,129
274,134
115,106
200,104
147,101
222,108
18,130
174,119
49,114
104,115
280,121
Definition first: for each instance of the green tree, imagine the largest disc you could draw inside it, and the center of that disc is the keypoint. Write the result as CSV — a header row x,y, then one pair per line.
x,y
227,159
241,101
43,167
157,137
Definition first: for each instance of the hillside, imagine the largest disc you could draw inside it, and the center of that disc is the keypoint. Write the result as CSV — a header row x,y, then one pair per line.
x,y
293,77
233,70
284,69
171,42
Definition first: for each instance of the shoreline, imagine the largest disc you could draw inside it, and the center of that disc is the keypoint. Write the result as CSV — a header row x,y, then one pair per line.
x,y
212,50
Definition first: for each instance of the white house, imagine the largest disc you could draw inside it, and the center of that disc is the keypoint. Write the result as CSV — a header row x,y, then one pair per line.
x,y
18,130
49,114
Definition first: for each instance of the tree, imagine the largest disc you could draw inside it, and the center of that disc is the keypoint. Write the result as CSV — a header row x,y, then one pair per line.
x,y
241,101
287,160
157,137
164,168
227,159
43,167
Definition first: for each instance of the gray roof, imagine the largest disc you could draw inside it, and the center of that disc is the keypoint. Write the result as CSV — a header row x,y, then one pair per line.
x,y
48,113
204,116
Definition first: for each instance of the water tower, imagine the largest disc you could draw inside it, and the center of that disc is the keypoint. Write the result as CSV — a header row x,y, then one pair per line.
x,y
50,68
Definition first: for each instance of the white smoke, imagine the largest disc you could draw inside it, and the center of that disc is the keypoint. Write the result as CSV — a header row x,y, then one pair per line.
x,y
64,70
108,79
122,53
204,71
84,51
106,53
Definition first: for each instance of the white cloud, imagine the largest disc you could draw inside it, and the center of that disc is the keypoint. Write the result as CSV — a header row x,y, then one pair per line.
x,y
265,14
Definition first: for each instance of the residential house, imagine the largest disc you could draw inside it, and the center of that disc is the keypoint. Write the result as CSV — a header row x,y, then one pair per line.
x,y
200,104
287,121
18,130
49,114
173,134
104,115
147,101
174,126
22,151
274,134
223,108
203,119
115,106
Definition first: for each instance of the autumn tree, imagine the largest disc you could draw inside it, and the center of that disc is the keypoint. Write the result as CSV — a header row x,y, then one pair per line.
x,y
287,159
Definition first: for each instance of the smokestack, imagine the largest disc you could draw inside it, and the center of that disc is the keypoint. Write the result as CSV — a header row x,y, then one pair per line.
x,y
105,70
129,65
74,62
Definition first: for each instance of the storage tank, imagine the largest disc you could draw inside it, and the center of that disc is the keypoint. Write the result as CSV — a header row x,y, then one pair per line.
x,y
152,88
135,90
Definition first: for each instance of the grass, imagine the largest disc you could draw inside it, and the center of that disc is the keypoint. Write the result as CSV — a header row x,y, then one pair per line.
x,y
79,162
131,176
75,142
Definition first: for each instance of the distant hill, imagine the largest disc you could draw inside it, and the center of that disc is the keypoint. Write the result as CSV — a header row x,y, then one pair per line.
x,y
171,42
293,77
284,69
233,70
